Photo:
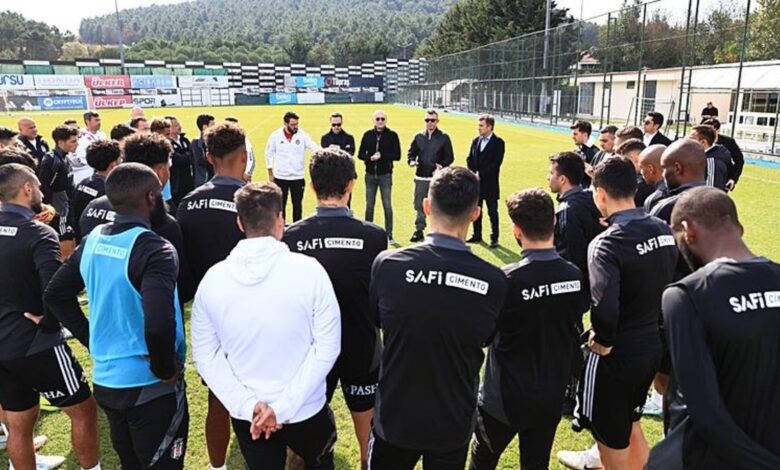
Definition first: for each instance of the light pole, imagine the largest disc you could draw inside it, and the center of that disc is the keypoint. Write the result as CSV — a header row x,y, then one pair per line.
x,y
121,42
543,98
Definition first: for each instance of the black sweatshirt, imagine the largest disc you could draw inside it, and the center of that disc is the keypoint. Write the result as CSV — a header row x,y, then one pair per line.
x,y
56,176
37,148
100,211
723,326
576,224
388,146
529,362
208,220
630,263
429,150
29,257
346,247
663,210
437,304
87,191
152,270
737,162
343,140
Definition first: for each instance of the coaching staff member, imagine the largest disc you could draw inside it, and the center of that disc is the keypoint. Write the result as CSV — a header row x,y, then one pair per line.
x,y
34,359
285,161
337,136
135,330
267,361
724,335
346,248
431,150
434,334
652,130
485,158
629,263
379,148
528,364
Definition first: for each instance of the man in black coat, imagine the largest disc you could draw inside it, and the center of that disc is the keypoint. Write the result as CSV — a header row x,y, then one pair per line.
x,y
485,158
737,161
652,124
181,162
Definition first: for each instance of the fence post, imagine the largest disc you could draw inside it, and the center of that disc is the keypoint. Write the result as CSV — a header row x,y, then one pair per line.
x,y
741,62
640,64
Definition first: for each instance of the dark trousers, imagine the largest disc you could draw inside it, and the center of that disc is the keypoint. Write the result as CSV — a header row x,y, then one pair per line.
x,y
420,193
492,437
492,210
144,432
312,440
295,189
385,456
383,183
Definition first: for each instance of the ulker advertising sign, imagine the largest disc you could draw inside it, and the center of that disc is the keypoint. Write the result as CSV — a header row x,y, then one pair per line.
x,y
107,81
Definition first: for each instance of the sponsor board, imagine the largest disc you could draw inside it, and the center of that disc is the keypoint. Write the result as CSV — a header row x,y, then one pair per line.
x,y
63,102
311,81
120,101
203,81
102,82
59,82
283,98
12,81
311,98
152,81
19,103
156,101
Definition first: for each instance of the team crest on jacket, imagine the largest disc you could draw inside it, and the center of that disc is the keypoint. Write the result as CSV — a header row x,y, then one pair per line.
x,y
177,449
297,141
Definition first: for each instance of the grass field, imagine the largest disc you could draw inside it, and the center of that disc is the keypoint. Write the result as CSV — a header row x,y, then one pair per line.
x,y
525,166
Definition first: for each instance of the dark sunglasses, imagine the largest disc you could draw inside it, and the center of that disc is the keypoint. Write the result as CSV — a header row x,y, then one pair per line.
x,y
335,125
379,119
431,120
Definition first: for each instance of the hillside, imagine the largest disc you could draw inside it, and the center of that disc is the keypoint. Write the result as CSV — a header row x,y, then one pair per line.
x,y
318,31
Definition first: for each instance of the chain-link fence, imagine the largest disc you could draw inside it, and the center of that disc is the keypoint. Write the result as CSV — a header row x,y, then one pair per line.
x,y
672,56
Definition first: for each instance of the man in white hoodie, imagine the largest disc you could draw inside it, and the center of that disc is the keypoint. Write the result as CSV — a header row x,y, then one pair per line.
x,y
266,331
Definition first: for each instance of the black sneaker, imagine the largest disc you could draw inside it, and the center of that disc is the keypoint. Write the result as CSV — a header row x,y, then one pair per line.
x,y
474,239
417,236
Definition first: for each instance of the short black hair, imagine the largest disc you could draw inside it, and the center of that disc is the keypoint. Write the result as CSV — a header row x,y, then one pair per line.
x,y
336,114
331,171
629,132
715,123
71,122
224,139
533,211
147,149
89,115
454,192
129,184
172,118
657,117
705,132
582,126
289,115
570,165
488,119
610,129
12,177
14,154
7,134
159,124
707,206
62,133
258,205
631,145
120,131
136,120
102,153
616,176
231,119
203,120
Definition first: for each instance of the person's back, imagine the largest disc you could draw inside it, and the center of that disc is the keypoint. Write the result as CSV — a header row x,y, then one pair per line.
x,y
87,191
577,223
718,161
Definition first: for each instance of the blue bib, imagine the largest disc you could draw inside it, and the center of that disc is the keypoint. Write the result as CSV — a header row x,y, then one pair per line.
x,y
116,314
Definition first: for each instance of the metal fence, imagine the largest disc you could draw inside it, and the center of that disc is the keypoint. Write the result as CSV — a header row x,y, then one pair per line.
x,y
616,67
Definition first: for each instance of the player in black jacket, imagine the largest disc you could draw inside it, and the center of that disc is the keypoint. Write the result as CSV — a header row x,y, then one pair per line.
x,y
629,263
737,162
580,134
723,325
56,176
34,359
346,248
207,217
528,363
718,157
437,304
103,156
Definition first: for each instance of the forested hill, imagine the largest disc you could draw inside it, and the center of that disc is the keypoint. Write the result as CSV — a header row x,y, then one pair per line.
x,y
317,31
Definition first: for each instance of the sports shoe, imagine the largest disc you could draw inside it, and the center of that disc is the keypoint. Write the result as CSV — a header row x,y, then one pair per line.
x,y
417,236
582,460
391,241
474,239
44,462
494,244
38,441
652,407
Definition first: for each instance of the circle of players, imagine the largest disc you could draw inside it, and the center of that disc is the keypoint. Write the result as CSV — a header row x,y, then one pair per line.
x,y
644,236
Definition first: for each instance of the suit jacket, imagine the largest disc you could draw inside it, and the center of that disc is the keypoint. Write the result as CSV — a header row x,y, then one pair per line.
x,y
181,168
487,163
659,138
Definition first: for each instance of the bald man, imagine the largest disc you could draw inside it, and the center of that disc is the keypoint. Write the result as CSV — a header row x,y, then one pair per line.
x,y
136,112
28,136
652,173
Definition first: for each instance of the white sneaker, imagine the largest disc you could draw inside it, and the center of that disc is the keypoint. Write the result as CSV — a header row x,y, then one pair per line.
x,y
38,441
582,460
44,462
652,406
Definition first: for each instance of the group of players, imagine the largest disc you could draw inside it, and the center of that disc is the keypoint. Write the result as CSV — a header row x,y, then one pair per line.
x,y
284,314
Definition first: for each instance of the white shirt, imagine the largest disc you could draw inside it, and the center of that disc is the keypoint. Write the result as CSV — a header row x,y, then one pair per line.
x,y
266,327
78,160
250,158
648,138
286,157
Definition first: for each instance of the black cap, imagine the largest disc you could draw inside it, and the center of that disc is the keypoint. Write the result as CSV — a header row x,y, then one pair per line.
x,y
7,134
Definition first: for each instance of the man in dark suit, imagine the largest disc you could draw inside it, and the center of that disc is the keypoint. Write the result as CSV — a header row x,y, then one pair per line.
x,y
653,123
485,158
181,162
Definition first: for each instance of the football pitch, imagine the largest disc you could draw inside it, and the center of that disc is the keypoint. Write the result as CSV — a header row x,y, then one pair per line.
x,y
525,166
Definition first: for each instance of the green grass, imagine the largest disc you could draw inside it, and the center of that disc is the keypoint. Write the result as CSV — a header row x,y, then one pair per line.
x,y
525,166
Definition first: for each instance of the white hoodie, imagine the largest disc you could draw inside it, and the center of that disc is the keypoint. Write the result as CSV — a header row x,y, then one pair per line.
x,y
286,157
266,327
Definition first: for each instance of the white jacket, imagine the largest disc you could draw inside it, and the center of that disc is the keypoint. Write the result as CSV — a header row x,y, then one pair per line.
x,y
78,160
286,157
266,327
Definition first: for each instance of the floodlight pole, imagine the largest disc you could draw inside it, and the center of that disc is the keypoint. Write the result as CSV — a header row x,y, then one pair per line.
x,y
741,62
121,42
543,98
